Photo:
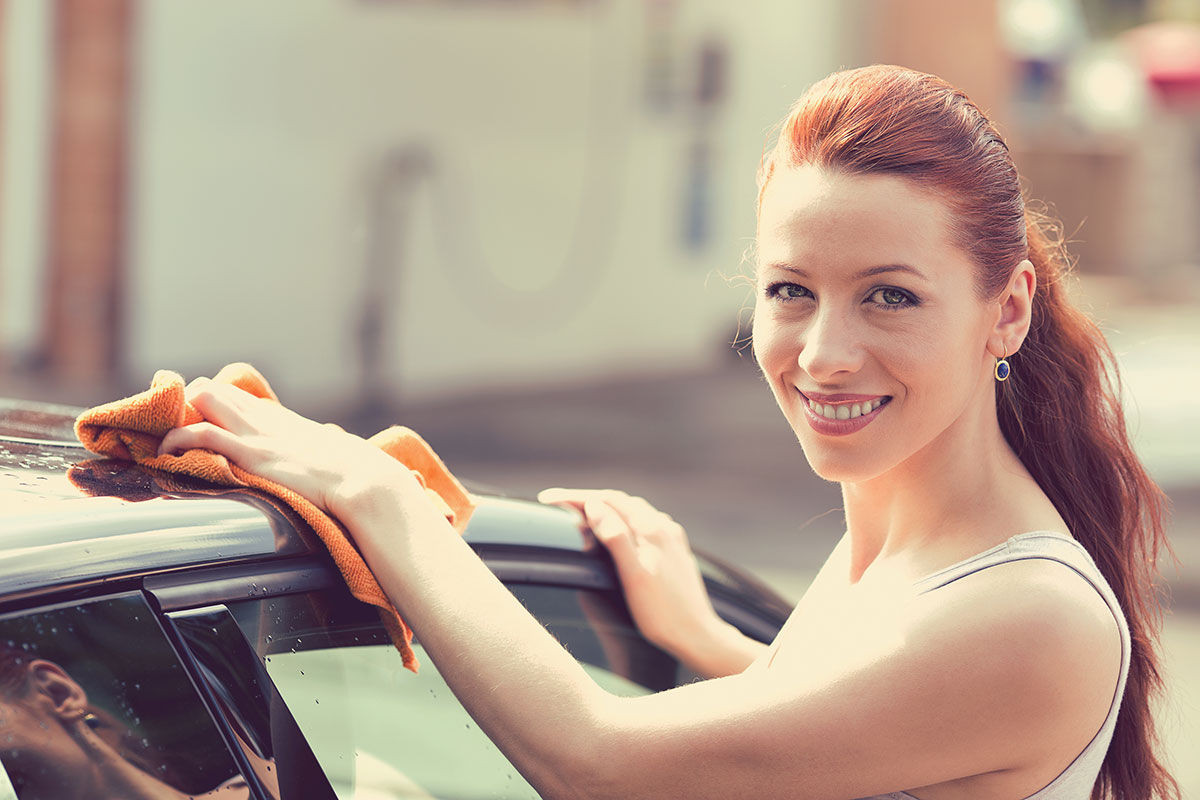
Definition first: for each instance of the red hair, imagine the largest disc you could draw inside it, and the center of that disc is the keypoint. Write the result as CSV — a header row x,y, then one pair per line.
x,y
1061,411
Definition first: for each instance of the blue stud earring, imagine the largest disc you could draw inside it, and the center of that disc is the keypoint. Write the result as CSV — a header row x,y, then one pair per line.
x,y
1003,370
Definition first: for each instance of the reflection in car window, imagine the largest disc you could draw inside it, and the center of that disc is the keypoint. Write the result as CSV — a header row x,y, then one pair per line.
x,y
93,698
379,731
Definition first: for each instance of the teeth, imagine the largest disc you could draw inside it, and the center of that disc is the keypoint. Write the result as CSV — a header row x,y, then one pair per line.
x,y
845,410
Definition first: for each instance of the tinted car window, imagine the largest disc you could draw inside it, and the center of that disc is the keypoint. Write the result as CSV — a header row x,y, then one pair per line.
x,y
98,682
380,731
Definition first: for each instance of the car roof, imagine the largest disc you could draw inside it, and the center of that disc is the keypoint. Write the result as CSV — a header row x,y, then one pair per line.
x,y
68,516
86,515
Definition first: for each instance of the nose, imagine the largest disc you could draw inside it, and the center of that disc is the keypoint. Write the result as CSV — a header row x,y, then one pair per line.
x,y
830,347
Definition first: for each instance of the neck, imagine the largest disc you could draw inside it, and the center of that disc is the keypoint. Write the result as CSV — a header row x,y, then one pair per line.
x,y
958,494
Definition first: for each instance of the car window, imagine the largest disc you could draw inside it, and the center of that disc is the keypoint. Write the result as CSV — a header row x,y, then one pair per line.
x,y
93,695
380,731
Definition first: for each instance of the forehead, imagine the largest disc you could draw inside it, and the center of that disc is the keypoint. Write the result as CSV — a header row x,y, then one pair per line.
x,y
815,218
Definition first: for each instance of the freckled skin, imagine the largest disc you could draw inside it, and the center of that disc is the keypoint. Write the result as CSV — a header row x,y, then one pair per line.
x,y
831,336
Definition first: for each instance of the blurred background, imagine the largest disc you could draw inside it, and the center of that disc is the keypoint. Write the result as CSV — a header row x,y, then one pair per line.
x,y
516,226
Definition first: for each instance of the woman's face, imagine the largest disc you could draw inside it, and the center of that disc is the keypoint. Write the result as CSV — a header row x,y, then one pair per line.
x,y
865,306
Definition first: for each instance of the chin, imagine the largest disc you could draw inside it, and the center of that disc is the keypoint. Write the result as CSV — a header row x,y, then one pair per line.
x,y
845,467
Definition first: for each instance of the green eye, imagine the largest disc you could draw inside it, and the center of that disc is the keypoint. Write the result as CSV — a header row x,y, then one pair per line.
x,y
786,291
890,298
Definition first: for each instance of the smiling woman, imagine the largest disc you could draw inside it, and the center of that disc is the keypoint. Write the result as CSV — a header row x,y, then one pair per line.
x,y
885,166
985,628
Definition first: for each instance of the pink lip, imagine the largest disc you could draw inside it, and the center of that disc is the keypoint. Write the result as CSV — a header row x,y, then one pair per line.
x,y
840,427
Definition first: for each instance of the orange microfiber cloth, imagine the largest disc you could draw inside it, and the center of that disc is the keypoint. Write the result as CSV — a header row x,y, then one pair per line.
x,y
133,428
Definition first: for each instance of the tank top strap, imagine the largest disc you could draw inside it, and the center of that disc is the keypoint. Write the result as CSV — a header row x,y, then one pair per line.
x,y
1035,544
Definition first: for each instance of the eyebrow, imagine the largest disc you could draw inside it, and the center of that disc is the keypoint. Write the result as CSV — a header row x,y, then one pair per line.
x,y
866,273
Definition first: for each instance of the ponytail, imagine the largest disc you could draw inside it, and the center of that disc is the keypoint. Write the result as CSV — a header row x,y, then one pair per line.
x,y
1062,414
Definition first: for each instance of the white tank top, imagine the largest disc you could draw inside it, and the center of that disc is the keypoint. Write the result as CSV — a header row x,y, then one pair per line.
x,y
1077,780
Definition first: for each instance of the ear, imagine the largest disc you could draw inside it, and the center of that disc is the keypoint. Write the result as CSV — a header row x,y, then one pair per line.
x,y
64,695
1015,312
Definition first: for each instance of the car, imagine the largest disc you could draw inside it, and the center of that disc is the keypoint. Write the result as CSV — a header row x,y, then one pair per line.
x,y
206,640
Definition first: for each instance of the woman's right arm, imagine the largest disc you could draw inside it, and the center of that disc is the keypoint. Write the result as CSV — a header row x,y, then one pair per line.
x,y
661,581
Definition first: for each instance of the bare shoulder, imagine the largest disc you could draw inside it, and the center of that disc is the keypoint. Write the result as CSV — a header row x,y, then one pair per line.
x,y
1040,602
1050,633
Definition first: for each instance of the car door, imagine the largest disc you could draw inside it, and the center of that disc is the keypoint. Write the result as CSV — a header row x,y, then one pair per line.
x,y
317,699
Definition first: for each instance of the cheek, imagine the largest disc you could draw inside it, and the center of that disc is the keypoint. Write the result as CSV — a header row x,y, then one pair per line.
x,y
939,363
767,340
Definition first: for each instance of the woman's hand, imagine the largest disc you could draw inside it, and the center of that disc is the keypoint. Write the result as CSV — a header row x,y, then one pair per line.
x,y
660,578
321,462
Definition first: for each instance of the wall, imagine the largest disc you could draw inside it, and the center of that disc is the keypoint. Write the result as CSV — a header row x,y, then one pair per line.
x,y
542,238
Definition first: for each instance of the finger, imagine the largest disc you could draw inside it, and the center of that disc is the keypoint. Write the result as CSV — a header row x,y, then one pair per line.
x,y
636,511
574,498
610,529
564,499
221,403
202,435
644,519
